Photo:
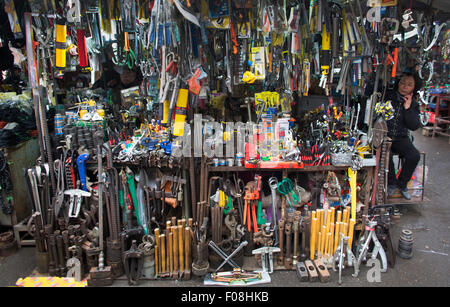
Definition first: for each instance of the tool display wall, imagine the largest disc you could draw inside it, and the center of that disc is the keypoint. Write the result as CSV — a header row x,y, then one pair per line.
x,y
143,183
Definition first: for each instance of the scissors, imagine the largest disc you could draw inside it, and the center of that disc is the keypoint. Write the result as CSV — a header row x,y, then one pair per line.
x,y
286,188
130,56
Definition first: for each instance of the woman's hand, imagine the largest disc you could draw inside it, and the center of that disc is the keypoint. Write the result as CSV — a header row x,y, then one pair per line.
x,y
407,100
112,83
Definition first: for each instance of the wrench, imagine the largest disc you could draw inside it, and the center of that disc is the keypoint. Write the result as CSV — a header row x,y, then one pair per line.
x,y
241,246
221,253
273,183
231,223
81,162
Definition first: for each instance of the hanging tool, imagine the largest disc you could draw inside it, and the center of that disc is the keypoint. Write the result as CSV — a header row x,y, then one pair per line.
x,y
286,188
252,190
325,57
132,189
60,45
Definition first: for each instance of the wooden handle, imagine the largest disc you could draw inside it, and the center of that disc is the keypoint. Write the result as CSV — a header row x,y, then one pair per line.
x,y
181,246
327,244
156,260
175,248
344,217
313,237
345,229
337,230
319,243
187,248
170,251
339,216
333,215
328,220
331,247
162,239
351,229
158,252
324,237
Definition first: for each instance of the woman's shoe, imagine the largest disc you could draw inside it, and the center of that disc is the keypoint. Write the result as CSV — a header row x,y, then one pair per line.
x,y
405,193
391,190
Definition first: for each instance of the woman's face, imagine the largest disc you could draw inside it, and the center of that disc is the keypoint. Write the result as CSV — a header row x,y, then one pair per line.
x,y
406,85
128,76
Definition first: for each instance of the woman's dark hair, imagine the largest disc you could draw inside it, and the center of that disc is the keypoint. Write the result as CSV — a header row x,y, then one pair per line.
x,y
417,81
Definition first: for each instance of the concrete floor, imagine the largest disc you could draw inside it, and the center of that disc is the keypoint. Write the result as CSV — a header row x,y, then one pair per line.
x,y
430,265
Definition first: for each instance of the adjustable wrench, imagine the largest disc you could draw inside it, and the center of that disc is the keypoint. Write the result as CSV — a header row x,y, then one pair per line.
x,y
81,162
231,223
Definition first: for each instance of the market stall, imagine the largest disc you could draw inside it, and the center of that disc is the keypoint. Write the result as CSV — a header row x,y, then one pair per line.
x,y
219,140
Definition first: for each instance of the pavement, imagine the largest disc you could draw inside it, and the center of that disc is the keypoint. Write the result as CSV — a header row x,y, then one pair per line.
x,y
429,222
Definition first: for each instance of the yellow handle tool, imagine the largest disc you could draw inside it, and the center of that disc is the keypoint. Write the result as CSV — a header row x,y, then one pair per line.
x,y
180,113
60,45
352,174
337,231
351,229
313,237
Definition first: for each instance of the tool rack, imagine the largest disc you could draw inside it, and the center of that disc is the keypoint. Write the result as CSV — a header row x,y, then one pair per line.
x,y
250,263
